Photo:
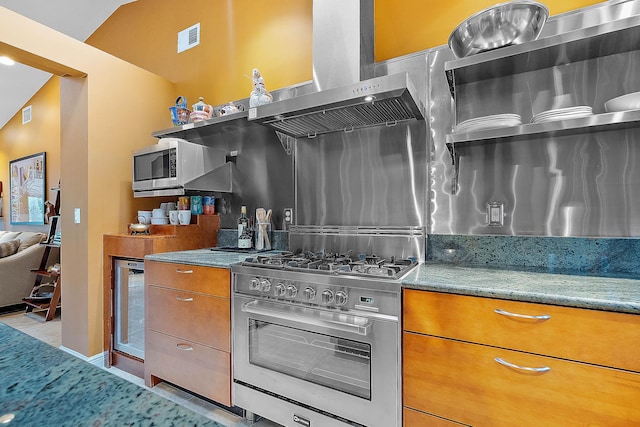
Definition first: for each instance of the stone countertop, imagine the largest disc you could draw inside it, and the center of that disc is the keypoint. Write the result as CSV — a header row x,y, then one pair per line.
x,y
205,257
599,293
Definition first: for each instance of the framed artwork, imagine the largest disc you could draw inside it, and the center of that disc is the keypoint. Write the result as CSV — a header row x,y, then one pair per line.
x,y
27,190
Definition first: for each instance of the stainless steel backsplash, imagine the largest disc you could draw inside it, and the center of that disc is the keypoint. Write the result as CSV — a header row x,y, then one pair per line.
x,y
262,174
371,177
579,185
586,184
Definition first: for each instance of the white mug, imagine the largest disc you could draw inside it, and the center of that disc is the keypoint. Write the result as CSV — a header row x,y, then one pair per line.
x,y
146,215
159,213
184,216
173,217
171,206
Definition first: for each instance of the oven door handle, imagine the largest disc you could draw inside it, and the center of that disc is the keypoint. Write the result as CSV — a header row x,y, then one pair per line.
x,y
337,321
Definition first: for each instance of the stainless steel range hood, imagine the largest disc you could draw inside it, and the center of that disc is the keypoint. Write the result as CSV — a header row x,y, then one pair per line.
x,y
383,100
345,97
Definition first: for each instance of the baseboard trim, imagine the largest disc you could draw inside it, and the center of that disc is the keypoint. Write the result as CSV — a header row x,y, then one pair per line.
x,y
97,360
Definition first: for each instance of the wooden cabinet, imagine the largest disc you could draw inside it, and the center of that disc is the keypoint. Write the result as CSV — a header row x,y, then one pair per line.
x,y
535,365
415,418
188,328
201,233
598,337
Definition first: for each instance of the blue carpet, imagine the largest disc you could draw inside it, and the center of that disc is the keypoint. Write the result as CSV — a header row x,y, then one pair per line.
x,y
44,386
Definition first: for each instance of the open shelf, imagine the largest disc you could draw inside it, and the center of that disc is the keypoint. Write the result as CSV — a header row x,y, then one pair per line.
x,y
609,38
41,304
595,123
47,273
195,132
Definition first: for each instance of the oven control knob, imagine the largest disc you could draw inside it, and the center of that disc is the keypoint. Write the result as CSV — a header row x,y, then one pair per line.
x,y
280,289
255,284
292,291
265,285
310,293
327,296
341,298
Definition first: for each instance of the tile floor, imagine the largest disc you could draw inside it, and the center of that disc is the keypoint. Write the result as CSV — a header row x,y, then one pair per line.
x,y
51,332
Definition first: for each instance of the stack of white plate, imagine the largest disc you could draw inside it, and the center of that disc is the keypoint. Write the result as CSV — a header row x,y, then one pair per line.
x,y
489,122
563,114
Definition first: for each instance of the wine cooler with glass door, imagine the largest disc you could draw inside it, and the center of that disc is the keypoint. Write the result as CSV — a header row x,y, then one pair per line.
x,y
128,309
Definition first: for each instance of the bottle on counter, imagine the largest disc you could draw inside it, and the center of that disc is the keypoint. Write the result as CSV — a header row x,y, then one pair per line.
x,y
243,223
245,241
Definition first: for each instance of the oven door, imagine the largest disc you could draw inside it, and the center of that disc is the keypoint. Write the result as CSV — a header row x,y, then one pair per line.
x,y
338,363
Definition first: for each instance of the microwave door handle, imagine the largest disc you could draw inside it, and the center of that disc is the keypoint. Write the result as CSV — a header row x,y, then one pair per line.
x,y
360,324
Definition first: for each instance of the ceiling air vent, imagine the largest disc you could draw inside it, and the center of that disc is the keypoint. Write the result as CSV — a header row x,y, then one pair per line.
x,y
26,115
189,38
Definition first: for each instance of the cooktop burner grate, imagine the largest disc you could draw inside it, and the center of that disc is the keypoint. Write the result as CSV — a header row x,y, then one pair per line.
x,y
334,263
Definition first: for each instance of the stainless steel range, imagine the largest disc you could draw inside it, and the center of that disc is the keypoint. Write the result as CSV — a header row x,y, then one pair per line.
x,y
316,337
316,333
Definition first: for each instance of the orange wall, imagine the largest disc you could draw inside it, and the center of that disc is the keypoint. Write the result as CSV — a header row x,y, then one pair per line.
x,y
236,36
276,37
41,134
100,125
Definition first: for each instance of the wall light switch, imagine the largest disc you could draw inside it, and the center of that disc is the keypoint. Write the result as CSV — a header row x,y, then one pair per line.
x,y
495,214
76,215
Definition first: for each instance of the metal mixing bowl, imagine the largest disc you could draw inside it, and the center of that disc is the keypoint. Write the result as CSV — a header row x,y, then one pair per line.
x,y
501,25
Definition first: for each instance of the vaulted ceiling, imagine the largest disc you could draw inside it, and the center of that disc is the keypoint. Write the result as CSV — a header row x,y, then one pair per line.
x,y
75,18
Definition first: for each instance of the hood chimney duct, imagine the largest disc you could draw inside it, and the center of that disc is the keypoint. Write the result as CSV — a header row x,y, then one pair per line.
x,y
343,42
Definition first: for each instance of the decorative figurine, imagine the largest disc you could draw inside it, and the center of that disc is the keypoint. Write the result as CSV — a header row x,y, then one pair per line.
x,y
179,112
230,108
259,94
50,210
201,111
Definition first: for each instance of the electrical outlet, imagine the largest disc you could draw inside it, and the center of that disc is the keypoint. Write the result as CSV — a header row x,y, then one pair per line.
x,y
76,215
495,214
288,216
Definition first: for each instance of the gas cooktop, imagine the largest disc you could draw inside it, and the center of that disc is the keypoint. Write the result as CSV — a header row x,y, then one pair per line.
x,y
334,263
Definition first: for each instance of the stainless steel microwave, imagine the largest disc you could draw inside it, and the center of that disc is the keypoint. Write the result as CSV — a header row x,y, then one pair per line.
x,y
167,168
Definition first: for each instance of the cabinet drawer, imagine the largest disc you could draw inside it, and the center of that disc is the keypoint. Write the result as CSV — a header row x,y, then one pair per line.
x,y
199,318
203,370
599,337
463,382
411,418
206,280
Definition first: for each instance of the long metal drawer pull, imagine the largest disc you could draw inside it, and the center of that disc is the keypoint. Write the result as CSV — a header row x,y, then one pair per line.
x,y
183,271
184,299
522,316
184,347
358,325
522,368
